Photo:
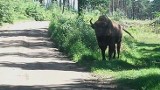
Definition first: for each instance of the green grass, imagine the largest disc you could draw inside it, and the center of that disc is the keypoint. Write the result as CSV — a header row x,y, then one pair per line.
x,y
139,63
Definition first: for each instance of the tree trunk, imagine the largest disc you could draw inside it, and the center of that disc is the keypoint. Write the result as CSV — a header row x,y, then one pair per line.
x,y
41,1
63,6
68,4
73,4
133,9
80,7
60,3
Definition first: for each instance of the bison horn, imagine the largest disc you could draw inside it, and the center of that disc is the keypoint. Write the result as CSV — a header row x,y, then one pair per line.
x,y
92,25
91,21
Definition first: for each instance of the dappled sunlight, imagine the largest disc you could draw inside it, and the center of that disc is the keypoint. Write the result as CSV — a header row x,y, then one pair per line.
x,y
149,81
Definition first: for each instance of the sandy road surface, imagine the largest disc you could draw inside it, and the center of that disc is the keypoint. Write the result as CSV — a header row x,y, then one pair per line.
x,y
28,61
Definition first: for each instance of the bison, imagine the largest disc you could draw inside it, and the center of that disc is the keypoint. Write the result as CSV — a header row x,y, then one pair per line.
x,y
109,34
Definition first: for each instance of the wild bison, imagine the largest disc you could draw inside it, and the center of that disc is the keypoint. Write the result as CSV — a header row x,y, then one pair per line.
x,y
109,34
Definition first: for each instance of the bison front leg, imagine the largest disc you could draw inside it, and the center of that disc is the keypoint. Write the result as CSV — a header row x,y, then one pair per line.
x,y
118,48
103,49
114,56
111,50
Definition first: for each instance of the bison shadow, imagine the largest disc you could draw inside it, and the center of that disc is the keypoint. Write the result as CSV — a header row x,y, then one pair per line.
x,y
91,62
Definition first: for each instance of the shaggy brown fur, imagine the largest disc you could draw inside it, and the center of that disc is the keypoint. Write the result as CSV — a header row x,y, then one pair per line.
x,y
109,34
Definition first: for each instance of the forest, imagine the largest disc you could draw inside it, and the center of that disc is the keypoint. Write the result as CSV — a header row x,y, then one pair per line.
x,y
138,67
132,9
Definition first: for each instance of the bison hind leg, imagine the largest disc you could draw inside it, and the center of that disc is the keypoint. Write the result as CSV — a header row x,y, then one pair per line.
x,y
103,54
111,51
118,48
114,55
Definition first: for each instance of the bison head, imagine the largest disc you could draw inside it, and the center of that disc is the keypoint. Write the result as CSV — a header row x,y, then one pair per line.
x,y
102,26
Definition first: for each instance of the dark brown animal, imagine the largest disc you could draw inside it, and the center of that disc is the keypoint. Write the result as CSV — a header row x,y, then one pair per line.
x,y
109,34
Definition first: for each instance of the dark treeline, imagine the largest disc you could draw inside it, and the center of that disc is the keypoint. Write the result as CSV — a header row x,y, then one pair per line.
x,y
133,9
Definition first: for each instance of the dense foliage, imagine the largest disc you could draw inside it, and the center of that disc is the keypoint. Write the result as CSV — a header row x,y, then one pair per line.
x,y
11,10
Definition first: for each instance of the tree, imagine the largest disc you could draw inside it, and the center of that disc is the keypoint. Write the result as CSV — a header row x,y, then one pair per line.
x,y
155,7
41,1
63,5
81,4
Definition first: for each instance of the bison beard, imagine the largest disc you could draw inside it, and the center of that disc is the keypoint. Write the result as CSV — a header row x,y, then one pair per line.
x,y
108,34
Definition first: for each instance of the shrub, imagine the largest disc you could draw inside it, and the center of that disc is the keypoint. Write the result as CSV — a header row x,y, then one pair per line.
x,y
117,15
6,12
11,10
36,11
157,14
72,36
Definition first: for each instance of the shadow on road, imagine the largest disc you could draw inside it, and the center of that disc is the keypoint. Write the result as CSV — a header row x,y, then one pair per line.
x,y
34,39
38,35
90,84
63,66
78,86
40,32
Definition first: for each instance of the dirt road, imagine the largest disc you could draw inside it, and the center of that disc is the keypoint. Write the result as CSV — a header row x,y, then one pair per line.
x,y
29,61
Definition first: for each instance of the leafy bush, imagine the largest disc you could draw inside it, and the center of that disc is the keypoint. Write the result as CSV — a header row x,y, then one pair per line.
x,y
157,14
73,36
6,12
36,11
117,15
11,10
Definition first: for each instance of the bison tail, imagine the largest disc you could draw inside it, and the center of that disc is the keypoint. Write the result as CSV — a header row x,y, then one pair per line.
x,y
128,32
